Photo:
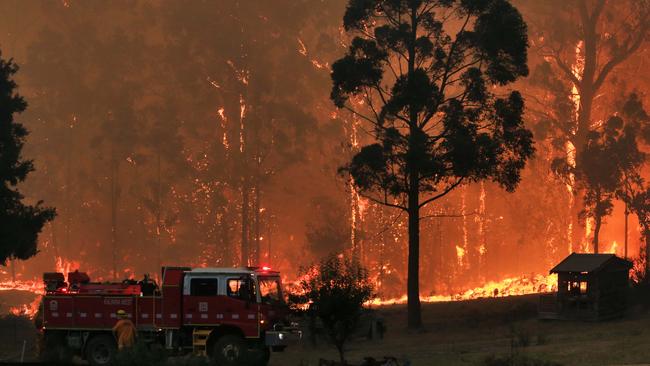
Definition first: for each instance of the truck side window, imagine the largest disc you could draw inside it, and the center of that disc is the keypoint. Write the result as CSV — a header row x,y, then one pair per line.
x,y
234,287
239,288
204,287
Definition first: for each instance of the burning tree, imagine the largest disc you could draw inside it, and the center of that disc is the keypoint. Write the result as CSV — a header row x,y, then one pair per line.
x,y
433,100
639,203
20,224
261,115
607,156
582,43
632,189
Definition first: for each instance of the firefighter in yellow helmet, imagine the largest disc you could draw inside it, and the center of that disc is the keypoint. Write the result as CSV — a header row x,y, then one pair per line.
x,y
124,330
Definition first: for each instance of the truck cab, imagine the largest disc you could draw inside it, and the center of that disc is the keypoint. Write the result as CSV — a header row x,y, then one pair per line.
x,y
248,298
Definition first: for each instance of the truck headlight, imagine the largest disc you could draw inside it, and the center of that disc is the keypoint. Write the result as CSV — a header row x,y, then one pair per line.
x,y
280,336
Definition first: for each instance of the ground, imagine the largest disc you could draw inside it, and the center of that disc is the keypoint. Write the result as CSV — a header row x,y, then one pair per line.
x,y
465,333
457,333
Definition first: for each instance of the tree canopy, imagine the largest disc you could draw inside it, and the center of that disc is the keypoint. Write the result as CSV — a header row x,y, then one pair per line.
x,y
336,290
429,76
20,223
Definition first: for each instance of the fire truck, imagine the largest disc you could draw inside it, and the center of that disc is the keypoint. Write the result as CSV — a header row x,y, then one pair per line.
x,y
236,316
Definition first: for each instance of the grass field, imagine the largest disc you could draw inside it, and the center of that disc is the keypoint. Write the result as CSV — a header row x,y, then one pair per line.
x,y
465,333
458,333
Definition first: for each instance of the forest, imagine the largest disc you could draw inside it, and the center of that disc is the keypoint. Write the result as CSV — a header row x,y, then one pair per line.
x,y
216,134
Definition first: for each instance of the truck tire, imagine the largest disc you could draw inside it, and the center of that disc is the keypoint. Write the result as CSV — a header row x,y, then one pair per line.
x,y
101,350
230,350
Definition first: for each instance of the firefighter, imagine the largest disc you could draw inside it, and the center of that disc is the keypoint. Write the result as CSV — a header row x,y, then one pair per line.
x,y
124,330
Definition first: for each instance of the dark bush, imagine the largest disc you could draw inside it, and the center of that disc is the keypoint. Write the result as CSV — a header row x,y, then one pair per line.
x,y
141,354
518,360
542,339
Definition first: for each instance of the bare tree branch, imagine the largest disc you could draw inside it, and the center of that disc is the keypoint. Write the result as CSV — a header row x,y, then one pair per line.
x,y
442,194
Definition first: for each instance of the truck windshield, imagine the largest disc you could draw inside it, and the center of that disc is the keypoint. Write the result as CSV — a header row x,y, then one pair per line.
x,y
270,290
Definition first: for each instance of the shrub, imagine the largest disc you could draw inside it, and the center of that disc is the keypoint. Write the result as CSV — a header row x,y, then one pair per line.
x,y
189,360
520,337
518,360
335,291
542,339
141,354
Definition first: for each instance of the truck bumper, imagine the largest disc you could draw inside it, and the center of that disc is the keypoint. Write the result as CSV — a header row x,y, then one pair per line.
x,y
283,337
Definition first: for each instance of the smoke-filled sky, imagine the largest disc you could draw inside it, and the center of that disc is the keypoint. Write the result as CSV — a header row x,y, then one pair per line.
x,y
172,132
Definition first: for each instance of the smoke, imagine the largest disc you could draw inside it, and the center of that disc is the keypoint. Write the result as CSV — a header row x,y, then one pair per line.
x,y
201,133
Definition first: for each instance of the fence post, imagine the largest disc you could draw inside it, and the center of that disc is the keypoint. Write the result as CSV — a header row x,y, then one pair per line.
x,y
22,354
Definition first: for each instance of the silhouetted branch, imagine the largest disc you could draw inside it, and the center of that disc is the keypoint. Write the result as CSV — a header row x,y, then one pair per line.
x,y
440,195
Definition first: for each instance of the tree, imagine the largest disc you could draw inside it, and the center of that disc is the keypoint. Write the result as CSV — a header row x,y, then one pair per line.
x,y
583,42
264,116
20,224
608,154
632,189
436,103
336,290
639,203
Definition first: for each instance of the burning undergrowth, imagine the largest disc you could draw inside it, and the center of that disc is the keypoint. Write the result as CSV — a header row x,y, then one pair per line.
x,y
22,298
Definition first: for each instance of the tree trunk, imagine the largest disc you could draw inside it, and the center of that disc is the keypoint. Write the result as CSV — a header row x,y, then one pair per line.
x,y
341,354
269,229
158,213
587,92
577,230
245,244
114,198
68,186
224,249
647,255
413,280
627,214
598,220
256,223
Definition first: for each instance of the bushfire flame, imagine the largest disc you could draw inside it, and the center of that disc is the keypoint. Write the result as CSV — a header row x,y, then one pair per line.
x,y
514,286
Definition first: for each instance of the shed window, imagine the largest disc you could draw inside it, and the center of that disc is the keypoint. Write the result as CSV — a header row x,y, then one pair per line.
x,y
204,287
578,287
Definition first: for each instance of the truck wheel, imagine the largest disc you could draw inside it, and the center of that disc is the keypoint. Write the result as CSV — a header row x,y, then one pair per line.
x,y
101,350
230,350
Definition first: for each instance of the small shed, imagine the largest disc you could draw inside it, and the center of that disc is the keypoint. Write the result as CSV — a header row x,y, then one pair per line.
x,y
590,287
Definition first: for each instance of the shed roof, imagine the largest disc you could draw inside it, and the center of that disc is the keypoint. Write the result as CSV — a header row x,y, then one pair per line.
x,y
591,263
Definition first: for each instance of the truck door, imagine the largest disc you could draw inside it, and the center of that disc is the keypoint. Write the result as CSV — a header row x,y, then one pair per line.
x,y
272,305
201,302
240,305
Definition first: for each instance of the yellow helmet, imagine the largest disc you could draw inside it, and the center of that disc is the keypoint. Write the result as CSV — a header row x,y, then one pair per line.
x,y
121,313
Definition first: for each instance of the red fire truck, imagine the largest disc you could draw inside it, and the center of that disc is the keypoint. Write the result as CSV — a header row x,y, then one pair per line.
x,y
236,316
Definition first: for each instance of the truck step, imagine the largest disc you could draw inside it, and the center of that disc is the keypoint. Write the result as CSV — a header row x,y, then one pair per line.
x,y
200,341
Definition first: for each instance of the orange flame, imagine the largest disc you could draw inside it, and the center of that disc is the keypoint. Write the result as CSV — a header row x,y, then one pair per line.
x,y
28,310
35,286
514,286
